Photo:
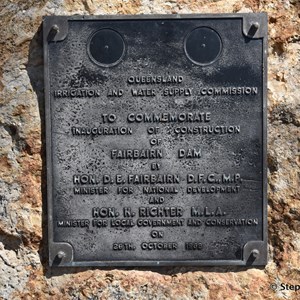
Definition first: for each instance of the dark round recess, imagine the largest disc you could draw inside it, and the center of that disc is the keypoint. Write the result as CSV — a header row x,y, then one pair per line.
x,y
203,46
106,47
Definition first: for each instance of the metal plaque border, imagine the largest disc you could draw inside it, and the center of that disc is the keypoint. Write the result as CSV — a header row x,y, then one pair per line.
x,y
61,254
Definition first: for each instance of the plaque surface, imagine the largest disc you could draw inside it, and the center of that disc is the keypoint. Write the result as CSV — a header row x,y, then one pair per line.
x,y
156,140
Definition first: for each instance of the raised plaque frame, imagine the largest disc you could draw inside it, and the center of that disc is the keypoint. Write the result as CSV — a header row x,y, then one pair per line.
x,y
254,252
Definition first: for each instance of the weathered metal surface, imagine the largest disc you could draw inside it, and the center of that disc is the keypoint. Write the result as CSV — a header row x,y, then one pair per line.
x,y
156,140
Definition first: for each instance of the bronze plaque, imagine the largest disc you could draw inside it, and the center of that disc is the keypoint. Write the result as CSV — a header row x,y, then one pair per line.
x,y
156,139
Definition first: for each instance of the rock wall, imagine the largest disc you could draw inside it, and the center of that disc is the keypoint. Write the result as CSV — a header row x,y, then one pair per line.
x,y
24,273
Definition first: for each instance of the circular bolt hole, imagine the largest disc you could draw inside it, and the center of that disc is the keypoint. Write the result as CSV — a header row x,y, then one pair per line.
x,y
106,47
61,254
203,46
55,28
255,253
255,25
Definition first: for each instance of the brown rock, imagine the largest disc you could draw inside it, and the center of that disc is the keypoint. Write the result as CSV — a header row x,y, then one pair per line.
x,y
23,267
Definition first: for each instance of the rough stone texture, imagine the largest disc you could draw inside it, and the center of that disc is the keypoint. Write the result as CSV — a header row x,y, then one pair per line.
x,y
24,273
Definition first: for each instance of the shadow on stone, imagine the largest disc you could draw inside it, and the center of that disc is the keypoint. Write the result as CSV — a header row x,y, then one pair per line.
x,y
35,69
